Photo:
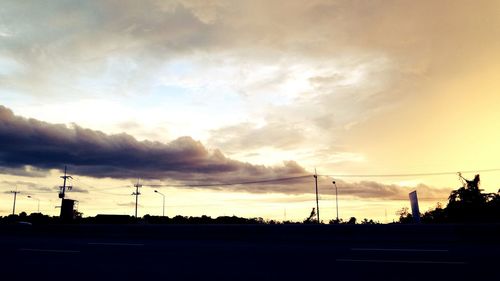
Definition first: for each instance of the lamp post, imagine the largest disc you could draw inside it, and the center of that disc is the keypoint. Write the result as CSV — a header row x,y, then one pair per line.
x,y
317,197
38,201
336,200
156,191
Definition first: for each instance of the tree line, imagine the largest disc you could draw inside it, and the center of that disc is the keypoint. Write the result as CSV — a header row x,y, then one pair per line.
x,y
467,204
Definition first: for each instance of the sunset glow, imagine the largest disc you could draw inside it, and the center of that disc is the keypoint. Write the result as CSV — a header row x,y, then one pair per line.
x,y
178,94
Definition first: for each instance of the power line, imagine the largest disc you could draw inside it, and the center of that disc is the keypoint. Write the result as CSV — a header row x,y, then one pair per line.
x,y
406,174
42,191
295,178
111,193
229,183
212,184
307,176
101,187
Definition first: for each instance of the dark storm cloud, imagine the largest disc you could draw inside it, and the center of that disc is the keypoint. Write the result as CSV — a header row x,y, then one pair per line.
x,y
26,171
25,184
129,204
29,142
40,145
78,189
361,189
372,189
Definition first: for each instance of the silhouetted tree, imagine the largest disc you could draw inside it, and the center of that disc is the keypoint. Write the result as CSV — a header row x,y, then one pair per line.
x,y
437,215
23,216
466,204
404,215
311,217
368,221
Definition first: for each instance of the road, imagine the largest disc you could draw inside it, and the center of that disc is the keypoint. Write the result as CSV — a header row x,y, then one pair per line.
x,y
250,252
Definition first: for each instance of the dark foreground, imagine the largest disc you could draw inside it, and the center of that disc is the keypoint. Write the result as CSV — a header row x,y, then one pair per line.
x,y
250,252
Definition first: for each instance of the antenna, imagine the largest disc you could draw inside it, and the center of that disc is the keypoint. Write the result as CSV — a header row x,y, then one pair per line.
x,y
64,186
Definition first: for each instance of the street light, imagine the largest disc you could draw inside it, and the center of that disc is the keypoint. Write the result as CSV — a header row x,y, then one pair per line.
x,y
336,200
156,191
38,200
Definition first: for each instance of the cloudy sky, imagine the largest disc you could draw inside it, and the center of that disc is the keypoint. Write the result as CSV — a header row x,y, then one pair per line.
x,y
188,96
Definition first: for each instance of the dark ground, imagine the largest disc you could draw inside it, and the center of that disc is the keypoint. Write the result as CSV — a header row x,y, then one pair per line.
x,y
250,252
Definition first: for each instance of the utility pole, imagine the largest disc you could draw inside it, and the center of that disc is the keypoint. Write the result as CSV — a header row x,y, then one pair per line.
x,y
336,200
317,199
15,196
136,193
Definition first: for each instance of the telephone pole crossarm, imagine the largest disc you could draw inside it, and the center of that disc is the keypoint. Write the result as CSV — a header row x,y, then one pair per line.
x,y
136,193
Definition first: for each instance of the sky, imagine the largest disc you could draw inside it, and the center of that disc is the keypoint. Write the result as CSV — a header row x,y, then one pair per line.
x,y
190,97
